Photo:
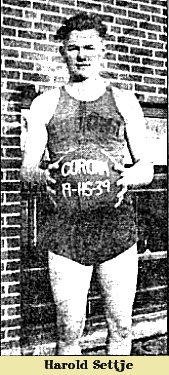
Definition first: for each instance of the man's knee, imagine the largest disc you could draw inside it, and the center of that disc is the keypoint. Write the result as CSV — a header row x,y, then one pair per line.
x,y
120,331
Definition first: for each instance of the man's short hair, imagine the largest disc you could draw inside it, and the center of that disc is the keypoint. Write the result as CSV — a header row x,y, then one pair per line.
x,y
79,22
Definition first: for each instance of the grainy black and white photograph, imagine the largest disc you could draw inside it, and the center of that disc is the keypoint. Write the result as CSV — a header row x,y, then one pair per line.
x,y
84,178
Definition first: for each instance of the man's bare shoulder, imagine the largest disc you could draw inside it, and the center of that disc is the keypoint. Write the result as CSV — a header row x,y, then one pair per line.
x,y
48,98
127,102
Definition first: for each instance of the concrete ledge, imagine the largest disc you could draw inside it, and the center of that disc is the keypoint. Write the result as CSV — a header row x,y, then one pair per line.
x,y
143,326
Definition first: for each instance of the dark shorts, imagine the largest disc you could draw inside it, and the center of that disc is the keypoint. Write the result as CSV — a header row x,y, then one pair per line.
x,y
89,237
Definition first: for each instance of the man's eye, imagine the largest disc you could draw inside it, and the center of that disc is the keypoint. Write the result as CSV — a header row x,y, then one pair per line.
x,y
89,47
72,48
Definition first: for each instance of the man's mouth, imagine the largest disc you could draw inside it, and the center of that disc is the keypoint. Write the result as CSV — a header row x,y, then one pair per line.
x,y
82,65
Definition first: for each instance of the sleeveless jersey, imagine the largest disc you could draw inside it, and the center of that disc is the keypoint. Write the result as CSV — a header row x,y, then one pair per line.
x,y
86,138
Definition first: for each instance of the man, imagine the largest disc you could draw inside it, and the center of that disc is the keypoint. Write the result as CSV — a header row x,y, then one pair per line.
x,y
85,125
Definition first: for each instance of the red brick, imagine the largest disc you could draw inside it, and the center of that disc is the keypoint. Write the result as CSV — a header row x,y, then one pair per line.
x,y
148,44
47,7
22,4
8,31
12,175
2,292
161,54
139,15
36,77
50,18
10,141
45,47
157,19
145,88
9,53
129,58
152,62
133,32
11,118
150,9
33,56
152,36
13,242
149,26
17,43
7,21
116,29
125,40
13,266
159,2
10,300
15,276
10,322
10,254
69,11
10,231
163,37
154,81
45,26
13,197
88,5
31,35
13,220
131,77
141,51
157,99
117,48
3,335
9,209
118,66
13,332
2,267
15,107
161,72
142,70
13,152
69,2
127,4
10,74
110,56
162,90
2,312
15,97
30,14
126,22
110,9
10,186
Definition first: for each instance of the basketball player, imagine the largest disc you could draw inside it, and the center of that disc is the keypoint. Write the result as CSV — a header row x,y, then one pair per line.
x,y
85,125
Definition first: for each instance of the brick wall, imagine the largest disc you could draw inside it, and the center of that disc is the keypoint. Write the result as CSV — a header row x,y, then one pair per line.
x,y
135,57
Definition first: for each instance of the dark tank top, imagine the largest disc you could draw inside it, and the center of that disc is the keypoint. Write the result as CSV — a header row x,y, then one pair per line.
x,y
76,123
75,229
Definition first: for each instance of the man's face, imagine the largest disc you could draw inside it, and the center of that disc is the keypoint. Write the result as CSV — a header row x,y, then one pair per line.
x,y
83,51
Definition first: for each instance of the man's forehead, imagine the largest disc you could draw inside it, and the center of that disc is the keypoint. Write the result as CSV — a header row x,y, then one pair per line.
x,y
83,36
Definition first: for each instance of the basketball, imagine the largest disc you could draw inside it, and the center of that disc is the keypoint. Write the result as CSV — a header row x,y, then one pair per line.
x,y
87,177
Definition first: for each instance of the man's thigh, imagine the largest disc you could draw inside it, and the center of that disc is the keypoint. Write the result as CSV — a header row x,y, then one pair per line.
x,y
70,283
118,278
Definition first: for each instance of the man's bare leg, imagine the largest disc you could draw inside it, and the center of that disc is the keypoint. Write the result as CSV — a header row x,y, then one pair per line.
x,y
70,283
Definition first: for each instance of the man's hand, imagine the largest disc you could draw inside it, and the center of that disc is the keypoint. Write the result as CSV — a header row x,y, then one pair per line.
x,y
50,186
122,181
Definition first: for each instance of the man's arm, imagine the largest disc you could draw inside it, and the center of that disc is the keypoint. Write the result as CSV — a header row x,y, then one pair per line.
x,y
40,113
142,170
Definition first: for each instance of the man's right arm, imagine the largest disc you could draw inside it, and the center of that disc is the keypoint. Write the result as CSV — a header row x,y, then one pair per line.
x,y
40,113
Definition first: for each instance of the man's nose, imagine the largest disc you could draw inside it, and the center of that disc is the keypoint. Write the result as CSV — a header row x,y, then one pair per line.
x,y
81,53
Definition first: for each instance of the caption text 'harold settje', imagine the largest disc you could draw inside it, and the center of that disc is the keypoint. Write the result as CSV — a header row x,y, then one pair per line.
x,y
83,365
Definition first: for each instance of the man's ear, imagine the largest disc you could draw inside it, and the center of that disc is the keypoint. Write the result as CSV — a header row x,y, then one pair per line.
x,y
61,50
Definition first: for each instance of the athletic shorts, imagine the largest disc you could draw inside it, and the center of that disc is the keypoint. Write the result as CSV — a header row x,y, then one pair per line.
x,y
88,237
